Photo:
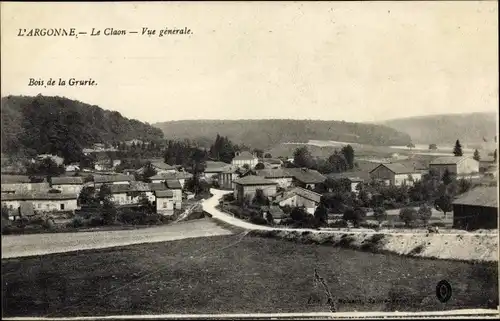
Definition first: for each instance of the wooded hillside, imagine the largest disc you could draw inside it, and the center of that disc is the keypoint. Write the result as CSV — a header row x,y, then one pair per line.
x,y
267,133
64,127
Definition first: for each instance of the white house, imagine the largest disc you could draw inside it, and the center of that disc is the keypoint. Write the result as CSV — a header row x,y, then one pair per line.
x,y
458,165
176,188
299,197
245,158
68,184
42,201
164,202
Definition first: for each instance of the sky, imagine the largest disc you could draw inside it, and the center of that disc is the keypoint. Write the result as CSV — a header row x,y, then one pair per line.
x,y
352,61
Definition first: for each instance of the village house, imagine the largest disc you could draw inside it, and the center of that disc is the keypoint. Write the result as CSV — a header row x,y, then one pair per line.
x,y
11,184
395,174
281,176
275,211
476,209
116,179
131,194
306,178
180,176
213,169
164,202
41,202
68,184
272,163
299,197
457,165
176,188
163,168
226,179
246,187
242,158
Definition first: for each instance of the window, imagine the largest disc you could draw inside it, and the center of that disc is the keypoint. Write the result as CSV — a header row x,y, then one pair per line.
x,y
11,206
39,205
175,206
62,207
164,204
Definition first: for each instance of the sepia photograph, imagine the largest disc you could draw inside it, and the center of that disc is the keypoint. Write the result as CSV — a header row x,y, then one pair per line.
x,y
236,160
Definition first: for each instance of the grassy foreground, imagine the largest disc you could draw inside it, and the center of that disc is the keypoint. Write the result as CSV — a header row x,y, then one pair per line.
x,y
235,274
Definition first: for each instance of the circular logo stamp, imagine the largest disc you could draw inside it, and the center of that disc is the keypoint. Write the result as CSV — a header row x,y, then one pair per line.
x,y
443,291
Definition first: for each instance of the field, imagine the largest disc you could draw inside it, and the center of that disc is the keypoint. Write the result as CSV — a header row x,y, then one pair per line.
x,y
235,274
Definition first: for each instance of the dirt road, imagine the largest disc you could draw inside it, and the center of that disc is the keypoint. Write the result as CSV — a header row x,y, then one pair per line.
x,y
40,244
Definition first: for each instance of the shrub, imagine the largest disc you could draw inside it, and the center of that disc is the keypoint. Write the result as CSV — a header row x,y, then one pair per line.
x,y
338,223
356,215
380,214
76,222
257,219
408,215
48,224
96,220
424,214
371,225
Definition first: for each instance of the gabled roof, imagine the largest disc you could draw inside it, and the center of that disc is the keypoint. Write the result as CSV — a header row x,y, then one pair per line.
x,y
164,194
307,176
67,180
38,196
302,192
216,167
14,179
254,180
244,156
352,176
176,175
486,196
158,186
448,160
113,178
396,168
163,166
118,188
174,184
274,173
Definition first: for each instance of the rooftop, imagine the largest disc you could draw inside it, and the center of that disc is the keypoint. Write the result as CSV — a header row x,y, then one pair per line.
x,y
397,168
38,196
14,179
174,184
176,175
163,166
448,160
275,173
215,166
113,178
254,180
305,193
158,186
67,180
244,156
164,194
307,176
486,196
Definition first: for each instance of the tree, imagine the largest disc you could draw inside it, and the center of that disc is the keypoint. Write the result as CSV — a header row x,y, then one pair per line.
x,y
424,213
303,158
268,155
354,215
5,212
109,212
148,172
46,167
299,214
380,215
338,162
444,204
321,214
104,193
410,146
87,196
408,215
476,155
457,150
260,166
348,153
447,179
258,152
260,198
464,185
269,218
433,147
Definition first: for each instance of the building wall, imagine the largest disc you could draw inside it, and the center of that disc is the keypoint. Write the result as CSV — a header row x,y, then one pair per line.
x,y
45,205
474,217
284,182
467,166
226,180
69,188
401,179
241,191
303,185
26,187
441,168
383,173
165,206
240,163
298,201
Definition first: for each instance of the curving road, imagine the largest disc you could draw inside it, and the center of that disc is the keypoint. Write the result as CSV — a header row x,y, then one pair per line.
x,y
49,243
210,204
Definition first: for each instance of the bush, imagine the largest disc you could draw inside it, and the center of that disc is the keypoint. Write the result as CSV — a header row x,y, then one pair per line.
x,y
257,219
339,223
408,215
424,214
76,222
370,225
95,221
356,215
380,214
48,224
